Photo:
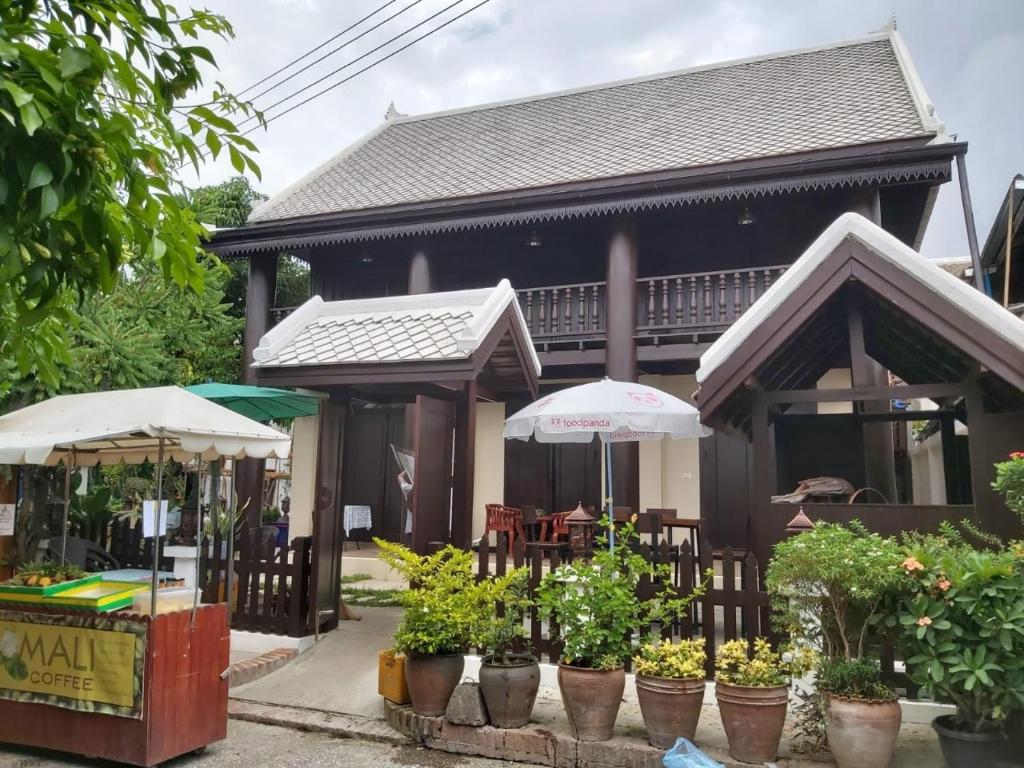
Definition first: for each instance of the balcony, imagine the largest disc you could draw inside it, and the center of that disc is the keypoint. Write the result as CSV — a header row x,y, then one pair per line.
x,y
683,308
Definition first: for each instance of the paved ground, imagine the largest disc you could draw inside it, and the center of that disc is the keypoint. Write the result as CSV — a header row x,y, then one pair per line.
x,y
249,744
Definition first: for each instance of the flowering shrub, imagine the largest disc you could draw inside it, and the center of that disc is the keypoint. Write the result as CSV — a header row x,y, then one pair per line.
x,y
960,624
1009,482
683,660
764,669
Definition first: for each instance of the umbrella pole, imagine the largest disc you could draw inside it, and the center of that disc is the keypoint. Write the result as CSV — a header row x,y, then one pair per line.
x,y
611,494
156,527
69,461
199,533
229,568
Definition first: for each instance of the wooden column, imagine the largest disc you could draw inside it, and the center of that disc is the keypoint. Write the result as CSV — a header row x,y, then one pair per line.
x,y
421,280
879,459
947,436
621,354
762,481
325,584
464,465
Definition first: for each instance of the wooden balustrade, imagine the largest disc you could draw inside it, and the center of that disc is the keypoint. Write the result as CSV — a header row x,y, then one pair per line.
x,y
565,311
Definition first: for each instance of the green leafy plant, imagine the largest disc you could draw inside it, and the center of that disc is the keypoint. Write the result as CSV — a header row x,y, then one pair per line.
x,y
960,623
853,679
506,598
1009,482
599,617
682,660
827,586
444,605
764,668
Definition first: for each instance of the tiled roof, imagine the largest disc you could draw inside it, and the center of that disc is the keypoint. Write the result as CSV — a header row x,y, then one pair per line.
x,y
859,92
394,329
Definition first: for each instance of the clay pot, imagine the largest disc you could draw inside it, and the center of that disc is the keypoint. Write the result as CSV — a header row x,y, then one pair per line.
x,y
862,734
963,749
431,680
591,698
753,719
671,708
510,690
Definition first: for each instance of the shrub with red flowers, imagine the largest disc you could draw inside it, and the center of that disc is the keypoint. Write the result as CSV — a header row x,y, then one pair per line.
x,y
959,620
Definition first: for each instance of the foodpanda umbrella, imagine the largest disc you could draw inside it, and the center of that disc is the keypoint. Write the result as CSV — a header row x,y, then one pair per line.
x,y
615,411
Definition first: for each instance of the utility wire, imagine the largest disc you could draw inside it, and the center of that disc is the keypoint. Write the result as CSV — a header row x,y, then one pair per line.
x,y
371,65
333,51
311,51
360,58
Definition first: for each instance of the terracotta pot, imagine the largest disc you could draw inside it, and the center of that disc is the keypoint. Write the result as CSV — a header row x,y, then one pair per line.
x,y
862,734
670,707
591,698
510,690
431,680
963,749
753,719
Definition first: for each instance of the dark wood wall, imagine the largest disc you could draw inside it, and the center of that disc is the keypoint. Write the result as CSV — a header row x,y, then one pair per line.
x,y
816,446
725,465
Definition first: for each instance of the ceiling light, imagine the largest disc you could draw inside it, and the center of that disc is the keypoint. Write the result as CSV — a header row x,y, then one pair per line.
x,y
534,240
746,218
366,258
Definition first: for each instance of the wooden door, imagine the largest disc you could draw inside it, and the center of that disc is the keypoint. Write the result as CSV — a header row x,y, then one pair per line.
x,y
432,487
576,475
369,474
724,489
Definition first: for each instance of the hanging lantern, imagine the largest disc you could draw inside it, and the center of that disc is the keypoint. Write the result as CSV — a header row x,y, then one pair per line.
x,y
581,532
800,523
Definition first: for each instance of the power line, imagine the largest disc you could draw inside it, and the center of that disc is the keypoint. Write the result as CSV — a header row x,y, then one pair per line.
x,y
348,64
311,51
372,64
333,51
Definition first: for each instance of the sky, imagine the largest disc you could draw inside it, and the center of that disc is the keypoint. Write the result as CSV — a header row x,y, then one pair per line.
x,y
967,54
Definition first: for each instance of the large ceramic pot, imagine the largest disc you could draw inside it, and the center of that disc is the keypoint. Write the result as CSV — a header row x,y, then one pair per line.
x,y
591,698
753,719
509,690
670,707
431,680
862,734
963,749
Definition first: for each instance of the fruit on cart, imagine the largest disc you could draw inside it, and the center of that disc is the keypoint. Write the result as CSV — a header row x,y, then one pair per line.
x,y
45,574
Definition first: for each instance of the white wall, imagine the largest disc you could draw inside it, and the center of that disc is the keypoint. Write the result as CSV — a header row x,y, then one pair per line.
x,y
305,434
928,476
489,462
837,378
670,469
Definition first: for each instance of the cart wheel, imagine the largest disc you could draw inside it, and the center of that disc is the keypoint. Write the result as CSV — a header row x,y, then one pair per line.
x,y
199,751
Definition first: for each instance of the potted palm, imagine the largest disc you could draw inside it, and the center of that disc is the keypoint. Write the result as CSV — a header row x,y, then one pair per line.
x,y
828,589
670,687
753,695
600,621
508,680
443,607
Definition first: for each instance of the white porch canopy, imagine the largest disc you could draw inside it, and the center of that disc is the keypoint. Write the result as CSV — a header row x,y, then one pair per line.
x,y
128,425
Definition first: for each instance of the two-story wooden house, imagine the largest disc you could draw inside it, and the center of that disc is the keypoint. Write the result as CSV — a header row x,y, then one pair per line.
x,y
636,221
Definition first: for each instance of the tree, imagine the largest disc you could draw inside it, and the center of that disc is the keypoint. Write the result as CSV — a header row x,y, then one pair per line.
x,y
93,128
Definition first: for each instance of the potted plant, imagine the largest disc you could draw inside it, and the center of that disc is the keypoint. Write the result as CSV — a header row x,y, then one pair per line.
x,y
753,695
862,713
961,622
828,589
443,607
508,681
670,686
599,620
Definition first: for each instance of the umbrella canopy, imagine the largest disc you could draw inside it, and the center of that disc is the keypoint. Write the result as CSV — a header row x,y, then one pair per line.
x,y
259,403
616,411
128,425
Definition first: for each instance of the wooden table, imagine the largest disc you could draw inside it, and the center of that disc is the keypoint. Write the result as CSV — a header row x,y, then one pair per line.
x,y
689,524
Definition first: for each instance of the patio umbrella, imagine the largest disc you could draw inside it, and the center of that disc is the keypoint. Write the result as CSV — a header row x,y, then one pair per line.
x,y
615,411
259,403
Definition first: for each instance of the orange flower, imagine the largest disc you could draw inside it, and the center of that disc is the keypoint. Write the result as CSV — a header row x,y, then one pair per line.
x,y
943,584
924,621
633,518
912,564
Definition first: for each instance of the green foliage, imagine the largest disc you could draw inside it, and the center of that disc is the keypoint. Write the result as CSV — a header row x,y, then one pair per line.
x,y
682,660
1009,483
91,512
600,620
93,127
444,605
854,679
960,619
764,669
505,599
226,205
827,585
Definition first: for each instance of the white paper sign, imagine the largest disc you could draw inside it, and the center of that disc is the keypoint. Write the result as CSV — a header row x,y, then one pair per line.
x,y
6,519
149,518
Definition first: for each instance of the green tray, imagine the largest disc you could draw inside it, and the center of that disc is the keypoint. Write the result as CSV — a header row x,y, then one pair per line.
x,y
25,594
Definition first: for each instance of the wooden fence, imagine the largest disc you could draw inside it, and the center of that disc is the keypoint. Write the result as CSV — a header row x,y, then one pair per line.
x,y
124,541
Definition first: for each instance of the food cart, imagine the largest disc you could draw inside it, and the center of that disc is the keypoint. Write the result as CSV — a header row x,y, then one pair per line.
x,y
106,669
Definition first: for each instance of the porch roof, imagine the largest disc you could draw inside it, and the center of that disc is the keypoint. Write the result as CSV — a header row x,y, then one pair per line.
x,y
455,335
920,322
857,92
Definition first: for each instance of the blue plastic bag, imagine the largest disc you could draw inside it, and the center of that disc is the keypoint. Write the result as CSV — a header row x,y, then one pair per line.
x,y
685,755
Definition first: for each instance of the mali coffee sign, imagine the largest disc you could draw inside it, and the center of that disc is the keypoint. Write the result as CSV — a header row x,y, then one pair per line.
x,y
87,663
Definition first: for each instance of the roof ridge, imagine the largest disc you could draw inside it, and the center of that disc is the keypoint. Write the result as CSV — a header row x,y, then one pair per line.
x,y
612,84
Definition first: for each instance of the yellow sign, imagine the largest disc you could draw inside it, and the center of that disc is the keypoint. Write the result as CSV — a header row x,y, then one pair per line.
x,y
68,665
